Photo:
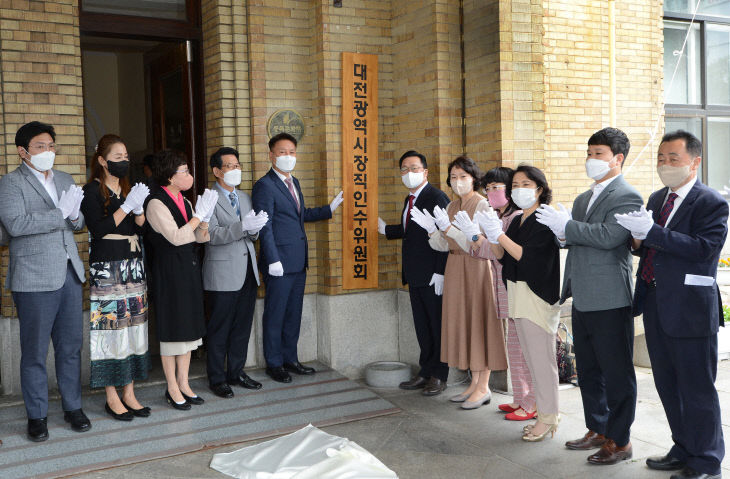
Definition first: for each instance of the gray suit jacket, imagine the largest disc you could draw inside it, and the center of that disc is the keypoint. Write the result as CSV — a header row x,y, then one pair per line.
x,y
41,241
226,254
598,267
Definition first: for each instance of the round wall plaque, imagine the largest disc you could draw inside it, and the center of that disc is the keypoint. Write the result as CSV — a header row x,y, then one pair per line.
x,y
286,121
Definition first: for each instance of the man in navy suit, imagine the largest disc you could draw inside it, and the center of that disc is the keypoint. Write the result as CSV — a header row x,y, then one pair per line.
x,y
680,245
284,251
423,272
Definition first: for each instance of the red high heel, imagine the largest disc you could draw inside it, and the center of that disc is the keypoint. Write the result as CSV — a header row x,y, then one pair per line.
x,y
507,408
515,417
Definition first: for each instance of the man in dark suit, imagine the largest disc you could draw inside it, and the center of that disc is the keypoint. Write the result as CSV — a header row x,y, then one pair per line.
x,y
680,245
423,272
598,277
285,251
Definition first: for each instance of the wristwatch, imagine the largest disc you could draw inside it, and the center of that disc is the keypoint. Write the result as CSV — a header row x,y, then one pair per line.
x,y
475,237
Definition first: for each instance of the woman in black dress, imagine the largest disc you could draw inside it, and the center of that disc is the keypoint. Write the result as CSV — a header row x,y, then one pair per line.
x,y
176,282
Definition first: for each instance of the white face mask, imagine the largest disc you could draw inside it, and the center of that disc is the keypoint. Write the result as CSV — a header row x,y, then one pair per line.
x,y
524,197
412,180
232,178
673,176
286,163
596,168
462,188
43,161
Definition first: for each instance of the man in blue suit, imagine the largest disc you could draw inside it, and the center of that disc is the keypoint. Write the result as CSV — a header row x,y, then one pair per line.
x,y
285,251
680,245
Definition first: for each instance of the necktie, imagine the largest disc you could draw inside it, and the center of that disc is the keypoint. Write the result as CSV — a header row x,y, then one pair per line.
x,y
647,271
411,198
290,185
234,202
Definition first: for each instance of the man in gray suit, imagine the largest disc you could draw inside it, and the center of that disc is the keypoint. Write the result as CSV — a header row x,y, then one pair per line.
x,y
598,276
39,208
230,276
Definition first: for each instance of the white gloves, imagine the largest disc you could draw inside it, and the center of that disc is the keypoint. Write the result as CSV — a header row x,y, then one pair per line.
x,y
437,281
637,222
70,202
253,222
135,199
276,269
553,219
205,205
490,223
424,220
381,226
465,224
336,201
442,218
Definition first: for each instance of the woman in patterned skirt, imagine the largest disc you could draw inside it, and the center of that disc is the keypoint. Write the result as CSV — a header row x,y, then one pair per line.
x,y
118,290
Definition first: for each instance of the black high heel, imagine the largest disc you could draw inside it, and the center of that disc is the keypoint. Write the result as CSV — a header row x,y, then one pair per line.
x,y
197,400
144,412
182,407
125,416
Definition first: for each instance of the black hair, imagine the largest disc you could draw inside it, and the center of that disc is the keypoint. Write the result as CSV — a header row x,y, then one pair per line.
x,y
468,165
165,165
148,160
692,144
413,153
613,138
216,159
501,174
536,175
30,130
281,136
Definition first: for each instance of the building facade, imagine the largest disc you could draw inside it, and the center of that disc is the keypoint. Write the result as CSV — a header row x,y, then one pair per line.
x,y
502,81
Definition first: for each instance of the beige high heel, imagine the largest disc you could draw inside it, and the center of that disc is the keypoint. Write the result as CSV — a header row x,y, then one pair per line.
x,y
530,437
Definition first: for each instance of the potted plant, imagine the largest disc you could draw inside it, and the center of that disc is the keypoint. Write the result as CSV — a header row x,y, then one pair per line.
x,y
723,336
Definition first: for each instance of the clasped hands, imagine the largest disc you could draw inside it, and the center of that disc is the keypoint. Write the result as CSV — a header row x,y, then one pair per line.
x,y
70,202
637,222
205,205
135,199
253,222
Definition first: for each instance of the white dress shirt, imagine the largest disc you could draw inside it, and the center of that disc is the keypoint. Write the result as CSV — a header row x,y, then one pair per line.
x,y
682,193
597,189
284,178
46,181
415,194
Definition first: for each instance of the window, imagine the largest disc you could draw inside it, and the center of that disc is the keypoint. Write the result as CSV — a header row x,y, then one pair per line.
x,y
169,9
697,83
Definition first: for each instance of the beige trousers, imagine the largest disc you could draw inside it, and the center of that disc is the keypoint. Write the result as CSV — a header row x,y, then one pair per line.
x,y
538,347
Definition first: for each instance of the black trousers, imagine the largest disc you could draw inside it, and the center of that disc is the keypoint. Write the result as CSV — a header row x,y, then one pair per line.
x,y
684,371
604,349
426,308
229,328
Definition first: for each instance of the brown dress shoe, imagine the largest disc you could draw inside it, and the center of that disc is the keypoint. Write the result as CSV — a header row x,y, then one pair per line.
x,y
591,440
416,383
434,387
610,453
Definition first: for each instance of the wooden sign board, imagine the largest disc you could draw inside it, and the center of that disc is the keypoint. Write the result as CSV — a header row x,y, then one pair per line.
x,y
360,170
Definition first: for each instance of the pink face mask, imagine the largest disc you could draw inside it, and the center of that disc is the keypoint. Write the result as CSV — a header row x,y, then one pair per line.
x,y
497,199
186,183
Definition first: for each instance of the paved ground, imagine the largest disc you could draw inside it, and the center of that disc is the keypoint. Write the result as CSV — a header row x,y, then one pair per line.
x,y
433,438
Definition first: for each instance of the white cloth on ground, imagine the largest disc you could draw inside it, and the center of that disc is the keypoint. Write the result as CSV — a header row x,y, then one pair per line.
x,y
308,453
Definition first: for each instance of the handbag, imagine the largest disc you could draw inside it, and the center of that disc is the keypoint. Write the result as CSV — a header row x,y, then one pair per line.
x,y
565,356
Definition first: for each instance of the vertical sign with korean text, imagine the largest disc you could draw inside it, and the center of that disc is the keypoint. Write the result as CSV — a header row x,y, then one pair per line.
x,y
360,170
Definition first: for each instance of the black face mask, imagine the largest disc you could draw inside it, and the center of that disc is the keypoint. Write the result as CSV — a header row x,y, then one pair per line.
x,y
118,168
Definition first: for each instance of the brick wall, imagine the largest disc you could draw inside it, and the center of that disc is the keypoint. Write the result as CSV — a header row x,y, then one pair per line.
x,y
40,64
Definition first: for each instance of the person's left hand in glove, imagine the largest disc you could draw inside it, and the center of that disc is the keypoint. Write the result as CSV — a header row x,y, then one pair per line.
x,y
442,218
637,222
465,224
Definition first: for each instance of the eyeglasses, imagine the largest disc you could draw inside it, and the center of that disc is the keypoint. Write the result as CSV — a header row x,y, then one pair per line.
x,y
44,146
183,172
412,169
495,188
232,166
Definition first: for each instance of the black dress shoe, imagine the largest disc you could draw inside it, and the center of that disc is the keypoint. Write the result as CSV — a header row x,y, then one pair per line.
x,y
195,400
222,390
278,375
183,406
79,421
298,368
125,416
665,463
245,381
416,383
38,429
144,412
434,387
689,473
